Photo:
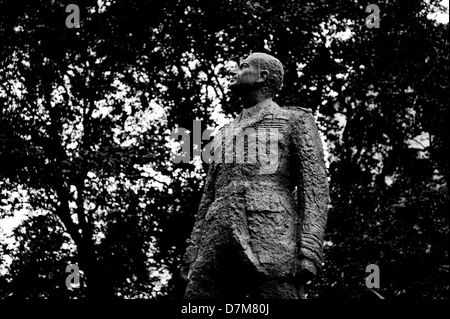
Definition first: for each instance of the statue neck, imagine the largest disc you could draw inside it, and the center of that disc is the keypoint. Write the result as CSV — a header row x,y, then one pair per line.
x,y
253,98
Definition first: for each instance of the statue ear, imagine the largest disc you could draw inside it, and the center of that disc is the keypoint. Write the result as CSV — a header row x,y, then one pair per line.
x,y
263,76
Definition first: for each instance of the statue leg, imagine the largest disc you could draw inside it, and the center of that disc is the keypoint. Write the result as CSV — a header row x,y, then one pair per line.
x,y
222,265
206,271
278,288
202,289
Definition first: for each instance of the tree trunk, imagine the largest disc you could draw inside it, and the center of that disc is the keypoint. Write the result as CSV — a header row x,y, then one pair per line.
x,y
96,278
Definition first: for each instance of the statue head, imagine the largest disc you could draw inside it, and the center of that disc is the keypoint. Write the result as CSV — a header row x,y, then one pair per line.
x,y
258,71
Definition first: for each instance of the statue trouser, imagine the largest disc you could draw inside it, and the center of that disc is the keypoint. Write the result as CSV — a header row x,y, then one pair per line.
x,y
245,253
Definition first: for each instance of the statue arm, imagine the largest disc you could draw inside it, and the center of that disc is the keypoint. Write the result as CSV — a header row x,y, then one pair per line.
x,y
196,235
312,192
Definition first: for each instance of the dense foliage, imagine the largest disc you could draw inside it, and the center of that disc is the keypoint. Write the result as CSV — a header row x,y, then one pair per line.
x,y
86,115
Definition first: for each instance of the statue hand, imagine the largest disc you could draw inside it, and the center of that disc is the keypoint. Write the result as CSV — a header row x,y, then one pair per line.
x,y
184,271
186,262
307,270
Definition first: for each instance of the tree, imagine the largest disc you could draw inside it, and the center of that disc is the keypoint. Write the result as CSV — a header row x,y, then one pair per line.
x,y
39,258
77,145
85,125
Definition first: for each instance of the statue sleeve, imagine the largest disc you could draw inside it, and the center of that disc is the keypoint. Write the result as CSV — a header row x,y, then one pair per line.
x,y
312,190
197,232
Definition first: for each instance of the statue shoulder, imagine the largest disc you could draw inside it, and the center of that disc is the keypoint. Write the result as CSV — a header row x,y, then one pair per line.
x,y
298,109
297,112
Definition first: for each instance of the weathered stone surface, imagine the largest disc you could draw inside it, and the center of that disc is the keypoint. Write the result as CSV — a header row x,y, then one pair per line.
x,y
260,225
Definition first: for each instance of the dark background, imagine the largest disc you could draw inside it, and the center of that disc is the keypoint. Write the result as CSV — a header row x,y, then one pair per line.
x,y
80,119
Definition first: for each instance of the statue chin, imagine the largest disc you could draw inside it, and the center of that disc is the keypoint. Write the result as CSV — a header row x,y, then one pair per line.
x,y
241,88
233,86
236,90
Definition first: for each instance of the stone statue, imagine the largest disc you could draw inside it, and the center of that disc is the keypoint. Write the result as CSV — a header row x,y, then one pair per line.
x,y
260,225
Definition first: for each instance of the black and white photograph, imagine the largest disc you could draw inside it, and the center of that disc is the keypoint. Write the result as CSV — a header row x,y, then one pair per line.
x,y
220,156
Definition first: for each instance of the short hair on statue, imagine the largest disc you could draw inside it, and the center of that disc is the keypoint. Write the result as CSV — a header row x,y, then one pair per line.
x,y
275,68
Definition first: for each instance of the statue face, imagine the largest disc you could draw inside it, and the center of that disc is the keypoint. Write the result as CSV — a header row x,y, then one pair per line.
x,y
245,76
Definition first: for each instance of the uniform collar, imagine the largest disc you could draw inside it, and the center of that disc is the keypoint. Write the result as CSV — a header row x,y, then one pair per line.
x,y
255,110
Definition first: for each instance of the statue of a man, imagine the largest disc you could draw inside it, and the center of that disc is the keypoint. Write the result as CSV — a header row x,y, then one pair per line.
x,y
260,225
